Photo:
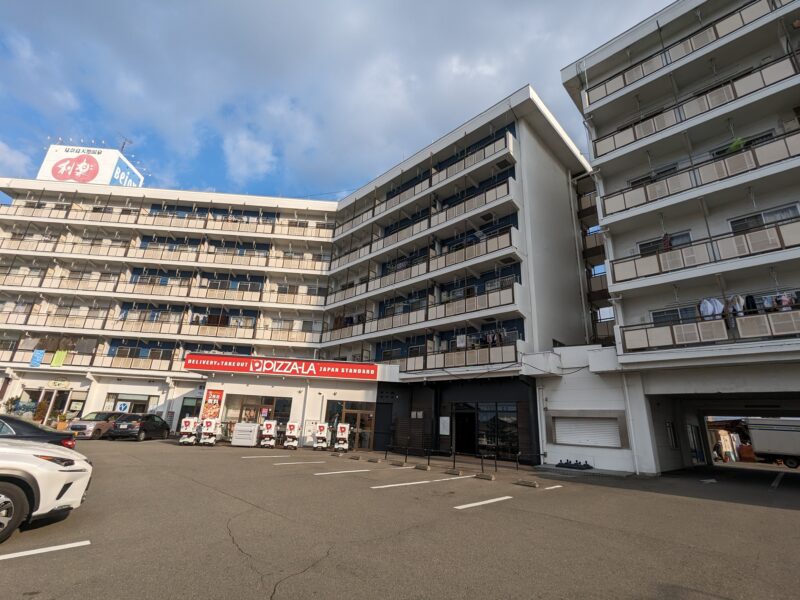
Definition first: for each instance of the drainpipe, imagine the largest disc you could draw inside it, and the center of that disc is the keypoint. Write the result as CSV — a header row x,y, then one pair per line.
x,y
540,422
631,433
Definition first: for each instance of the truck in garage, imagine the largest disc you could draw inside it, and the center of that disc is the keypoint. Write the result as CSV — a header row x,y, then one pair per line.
x,y
776,439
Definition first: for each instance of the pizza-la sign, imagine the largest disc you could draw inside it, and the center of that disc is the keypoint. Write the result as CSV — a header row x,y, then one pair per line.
x,y
287,367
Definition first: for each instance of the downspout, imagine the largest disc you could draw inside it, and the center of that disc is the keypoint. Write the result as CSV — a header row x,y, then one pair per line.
x,y
629,422
540,422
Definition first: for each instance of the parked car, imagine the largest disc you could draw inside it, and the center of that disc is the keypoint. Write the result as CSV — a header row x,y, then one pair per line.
x,y
21,429
94,425
139,427
39,480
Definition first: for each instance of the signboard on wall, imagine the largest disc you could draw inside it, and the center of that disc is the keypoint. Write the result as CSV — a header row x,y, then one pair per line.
x,y
88,165
287,367
212,404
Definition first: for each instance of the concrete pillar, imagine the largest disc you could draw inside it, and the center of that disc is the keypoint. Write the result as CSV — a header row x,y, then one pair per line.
x,y
640,425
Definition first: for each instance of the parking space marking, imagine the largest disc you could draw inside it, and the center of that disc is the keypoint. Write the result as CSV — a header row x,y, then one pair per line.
x,y
393,485
43,550
474,504
342,472
302,462
554,487
269,456
777,481
398,468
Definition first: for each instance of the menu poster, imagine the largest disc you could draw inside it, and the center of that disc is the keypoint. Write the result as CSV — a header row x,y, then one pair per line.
x,y
212,404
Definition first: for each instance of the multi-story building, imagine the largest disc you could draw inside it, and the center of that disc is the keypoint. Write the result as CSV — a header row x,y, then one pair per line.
x,y
447,271
692,119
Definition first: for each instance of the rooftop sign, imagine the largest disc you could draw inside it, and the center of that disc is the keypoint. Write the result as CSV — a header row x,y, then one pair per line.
x,y
89,165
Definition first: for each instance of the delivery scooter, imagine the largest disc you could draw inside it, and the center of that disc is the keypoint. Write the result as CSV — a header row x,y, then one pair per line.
x,y
209,432
268,432
321,436
342,437
188,431
292,439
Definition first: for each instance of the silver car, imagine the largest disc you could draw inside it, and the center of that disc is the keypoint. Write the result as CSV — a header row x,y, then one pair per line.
x,y
94,425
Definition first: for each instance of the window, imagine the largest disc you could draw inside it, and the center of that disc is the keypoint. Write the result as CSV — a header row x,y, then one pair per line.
x,y
667,242
672,437
285,288
670,316
656,174
250,286
764,218
5,430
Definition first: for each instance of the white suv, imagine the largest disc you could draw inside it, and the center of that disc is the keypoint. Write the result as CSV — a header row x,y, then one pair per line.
x,y
38,480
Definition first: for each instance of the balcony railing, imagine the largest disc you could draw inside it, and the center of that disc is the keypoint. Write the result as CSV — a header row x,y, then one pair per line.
x,y
436,177
142,216
780,235
454,211
726,92
503,296
166,253
712,331
107,320
431,264
692,43
474,357
750,159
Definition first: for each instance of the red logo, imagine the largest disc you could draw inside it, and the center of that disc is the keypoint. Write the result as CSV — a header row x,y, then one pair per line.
x,y
291,427
342,429
81,168
267,426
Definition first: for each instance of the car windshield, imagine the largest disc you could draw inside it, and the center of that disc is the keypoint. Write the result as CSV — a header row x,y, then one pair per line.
x,y
96,416
129,418
32,424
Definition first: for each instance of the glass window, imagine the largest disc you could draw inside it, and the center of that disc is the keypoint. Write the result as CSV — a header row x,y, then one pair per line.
x,y
764,218
5,430
667,242
686,314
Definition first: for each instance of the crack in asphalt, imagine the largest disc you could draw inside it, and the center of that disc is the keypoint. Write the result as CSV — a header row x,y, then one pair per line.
x,y
301,572
244,552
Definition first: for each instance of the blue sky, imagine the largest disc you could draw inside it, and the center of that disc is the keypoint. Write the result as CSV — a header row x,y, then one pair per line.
x,y
306,99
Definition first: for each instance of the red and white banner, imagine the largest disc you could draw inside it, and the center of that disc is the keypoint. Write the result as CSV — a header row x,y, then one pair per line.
x,y
281,366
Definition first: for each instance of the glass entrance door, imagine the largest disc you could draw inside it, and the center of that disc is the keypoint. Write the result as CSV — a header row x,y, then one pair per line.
x,y
362,428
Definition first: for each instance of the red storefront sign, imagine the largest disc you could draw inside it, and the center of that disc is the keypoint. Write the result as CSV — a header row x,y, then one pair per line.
x,y
281,367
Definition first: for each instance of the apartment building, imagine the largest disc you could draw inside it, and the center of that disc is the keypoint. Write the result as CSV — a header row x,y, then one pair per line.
x,y
419,296
692,121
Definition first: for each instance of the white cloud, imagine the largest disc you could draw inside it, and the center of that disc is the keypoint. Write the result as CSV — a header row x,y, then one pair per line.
x,y
247,158
13,162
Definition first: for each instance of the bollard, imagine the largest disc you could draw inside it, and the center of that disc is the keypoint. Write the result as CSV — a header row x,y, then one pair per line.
x,y
481,463
429,457
454,460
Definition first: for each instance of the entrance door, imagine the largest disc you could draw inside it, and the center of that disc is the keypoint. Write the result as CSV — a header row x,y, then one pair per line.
x,y
362,428
465,432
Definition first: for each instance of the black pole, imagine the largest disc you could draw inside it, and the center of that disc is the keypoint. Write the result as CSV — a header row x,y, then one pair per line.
x,y
406,453
495,459
429,457
481,463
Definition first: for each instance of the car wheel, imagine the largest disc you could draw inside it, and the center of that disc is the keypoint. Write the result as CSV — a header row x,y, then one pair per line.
x,y
790,461
97,434
141,436
13,509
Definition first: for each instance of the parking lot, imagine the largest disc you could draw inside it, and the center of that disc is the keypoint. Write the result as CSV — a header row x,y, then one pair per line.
x,y
168,521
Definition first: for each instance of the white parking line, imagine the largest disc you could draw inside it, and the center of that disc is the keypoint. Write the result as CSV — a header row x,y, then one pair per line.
x,y
392,485
269,456
553,487
342,472
43,550
398,468
777,481
492,501
302,462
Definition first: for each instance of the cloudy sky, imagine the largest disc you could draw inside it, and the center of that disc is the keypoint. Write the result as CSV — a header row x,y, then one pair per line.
x,y
309,98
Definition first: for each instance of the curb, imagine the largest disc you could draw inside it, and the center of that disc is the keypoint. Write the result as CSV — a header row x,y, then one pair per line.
x,y
398,463
456,472
375,460
423,467
527,483
486,476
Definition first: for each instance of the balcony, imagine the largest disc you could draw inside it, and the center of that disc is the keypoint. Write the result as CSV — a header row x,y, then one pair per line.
x,y
690,44
777,236
474,357
721,94
180,254
125,215
436,177
72,359
425,316
750,159
424,225
431,264
598,287
719,331
587,205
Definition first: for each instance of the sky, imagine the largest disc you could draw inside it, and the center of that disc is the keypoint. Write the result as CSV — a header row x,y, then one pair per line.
x,y
299,99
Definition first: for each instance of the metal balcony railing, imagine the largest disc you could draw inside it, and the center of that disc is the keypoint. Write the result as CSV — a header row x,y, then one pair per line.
x,y
693,42
780,235
503,296
721,330
432,263
436,177
714,169
723,93
473,357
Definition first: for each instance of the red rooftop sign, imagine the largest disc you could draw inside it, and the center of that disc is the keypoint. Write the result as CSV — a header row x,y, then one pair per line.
x,y
280,366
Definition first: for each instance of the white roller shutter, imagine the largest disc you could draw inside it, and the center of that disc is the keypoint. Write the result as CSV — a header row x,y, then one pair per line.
x,y
587,431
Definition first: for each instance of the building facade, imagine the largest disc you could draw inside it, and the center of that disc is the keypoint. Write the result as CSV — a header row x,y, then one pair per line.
x,y
447,271
692,120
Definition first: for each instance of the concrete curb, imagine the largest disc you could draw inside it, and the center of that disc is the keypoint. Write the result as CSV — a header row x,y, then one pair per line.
x,y
355,457
423,467
375,460
527,483
398,463
336,454
456,472
486,476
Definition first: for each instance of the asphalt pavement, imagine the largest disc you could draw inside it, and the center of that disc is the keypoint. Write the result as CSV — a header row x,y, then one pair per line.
x,y
164,521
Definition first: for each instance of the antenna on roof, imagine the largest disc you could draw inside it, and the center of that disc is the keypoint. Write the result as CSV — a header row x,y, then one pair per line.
x,y
125,142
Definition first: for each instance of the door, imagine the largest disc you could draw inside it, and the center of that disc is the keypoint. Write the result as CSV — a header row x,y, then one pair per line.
x,y
465,432
366,430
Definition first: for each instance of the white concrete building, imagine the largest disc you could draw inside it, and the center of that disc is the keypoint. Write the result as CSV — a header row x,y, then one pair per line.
x,y
449,271
692,117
